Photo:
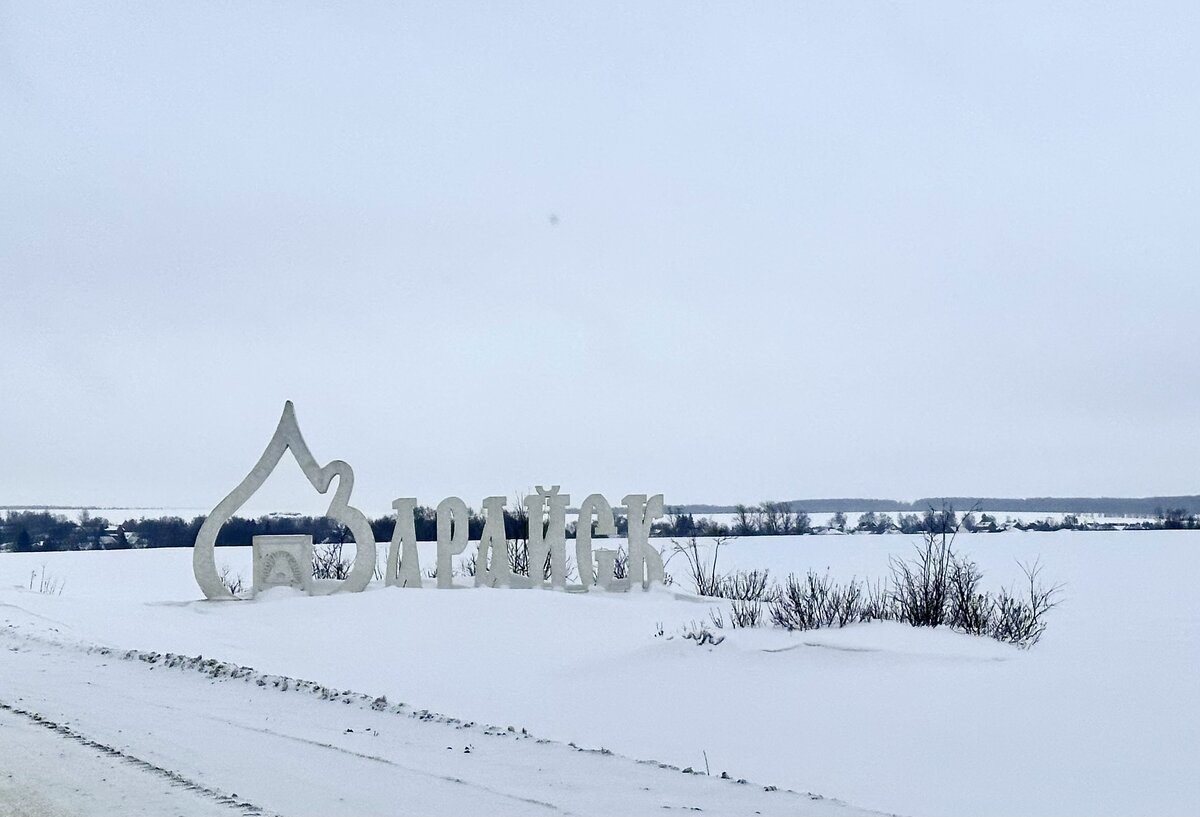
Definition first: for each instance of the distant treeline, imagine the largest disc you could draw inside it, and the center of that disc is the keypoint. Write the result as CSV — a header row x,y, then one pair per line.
x,y
780,519
30,531
1106,506
27,531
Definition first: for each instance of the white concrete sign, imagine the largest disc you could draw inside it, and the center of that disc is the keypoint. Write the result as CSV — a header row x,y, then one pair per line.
x,y
287,560
282,561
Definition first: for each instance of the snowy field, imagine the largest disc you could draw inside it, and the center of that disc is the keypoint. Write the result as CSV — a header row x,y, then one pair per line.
x,y
1100,717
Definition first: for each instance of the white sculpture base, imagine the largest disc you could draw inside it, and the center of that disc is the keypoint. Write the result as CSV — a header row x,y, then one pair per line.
x,y
283,561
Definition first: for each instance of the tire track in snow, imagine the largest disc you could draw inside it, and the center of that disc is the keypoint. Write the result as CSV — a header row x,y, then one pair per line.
x,y
174,778
383,760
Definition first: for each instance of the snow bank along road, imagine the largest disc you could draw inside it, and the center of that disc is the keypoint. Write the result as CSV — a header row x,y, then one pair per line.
x,y
94,730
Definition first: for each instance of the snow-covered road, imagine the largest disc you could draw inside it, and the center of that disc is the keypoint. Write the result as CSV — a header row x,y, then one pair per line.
x,y
109,732
49,771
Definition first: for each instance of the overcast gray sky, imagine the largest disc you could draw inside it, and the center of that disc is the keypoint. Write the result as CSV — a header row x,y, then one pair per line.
x,y
801,249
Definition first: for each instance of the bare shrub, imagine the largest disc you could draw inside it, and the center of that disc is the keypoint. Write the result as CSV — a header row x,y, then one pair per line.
x,y
747,590
752,585
879,603
570,573
745,613
802,605
620,564
47,585
518,557
922,585
620,567
328,562
969,609
940,587
847,603
466,566
518,562
704,575
936,587
233,581
818,601
701,634
1021,620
